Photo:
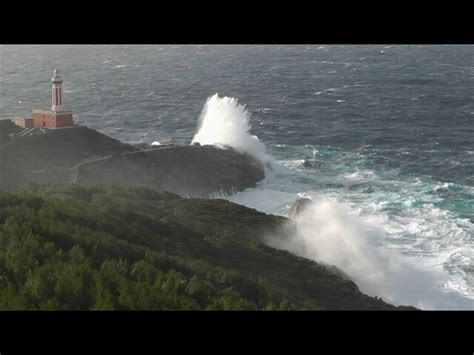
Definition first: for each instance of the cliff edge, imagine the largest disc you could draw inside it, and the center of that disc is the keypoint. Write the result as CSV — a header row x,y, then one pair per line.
x,y
84,156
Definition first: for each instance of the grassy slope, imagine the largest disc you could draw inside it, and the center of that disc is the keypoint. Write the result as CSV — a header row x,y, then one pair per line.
x,y
72,247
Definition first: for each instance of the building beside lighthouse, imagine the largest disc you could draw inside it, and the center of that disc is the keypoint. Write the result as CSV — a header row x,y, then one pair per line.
x,y
53,117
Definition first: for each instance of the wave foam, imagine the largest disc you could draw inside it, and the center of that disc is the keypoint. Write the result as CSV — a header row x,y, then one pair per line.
x,y
332,233
395,223
224,121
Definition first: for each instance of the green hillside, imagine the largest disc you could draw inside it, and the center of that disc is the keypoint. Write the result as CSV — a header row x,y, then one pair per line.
x,y
67,247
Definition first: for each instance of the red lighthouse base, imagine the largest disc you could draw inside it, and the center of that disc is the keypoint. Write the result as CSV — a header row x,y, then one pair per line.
x,y
52,119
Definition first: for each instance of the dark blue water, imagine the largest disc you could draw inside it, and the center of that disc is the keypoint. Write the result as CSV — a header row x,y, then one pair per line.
x,y
387,130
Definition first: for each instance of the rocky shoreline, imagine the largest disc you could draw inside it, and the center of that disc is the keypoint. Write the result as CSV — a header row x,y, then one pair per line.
x,y
82,155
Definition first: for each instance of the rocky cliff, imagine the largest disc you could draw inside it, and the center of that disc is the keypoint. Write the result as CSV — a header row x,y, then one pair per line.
x,y
190,171
84,156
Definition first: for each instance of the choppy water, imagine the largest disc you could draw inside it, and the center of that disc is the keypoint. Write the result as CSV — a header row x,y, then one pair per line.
x,y
385,130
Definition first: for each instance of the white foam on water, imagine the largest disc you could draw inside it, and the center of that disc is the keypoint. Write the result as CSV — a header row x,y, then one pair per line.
x,y
298,163
411,256
226,122
360,175
419,255
332,233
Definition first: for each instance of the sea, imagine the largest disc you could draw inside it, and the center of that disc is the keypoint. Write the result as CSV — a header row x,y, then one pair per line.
x,y
380,137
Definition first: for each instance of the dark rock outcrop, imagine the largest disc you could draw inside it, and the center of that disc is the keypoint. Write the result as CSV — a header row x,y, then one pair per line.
x,y
84,156
298,206
8,127
189,171
42,149
7,130
4,138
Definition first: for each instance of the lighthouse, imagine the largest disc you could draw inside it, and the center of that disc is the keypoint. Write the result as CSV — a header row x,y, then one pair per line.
x,y
56,116
51,117
56,91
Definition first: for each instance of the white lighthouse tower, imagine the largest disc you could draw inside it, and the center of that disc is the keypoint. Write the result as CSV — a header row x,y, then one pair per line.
x,y
56,92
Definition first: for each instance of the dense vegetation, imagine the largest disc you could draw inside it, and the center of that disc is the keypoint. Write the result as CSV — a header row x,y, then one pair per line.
x,y
65,247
